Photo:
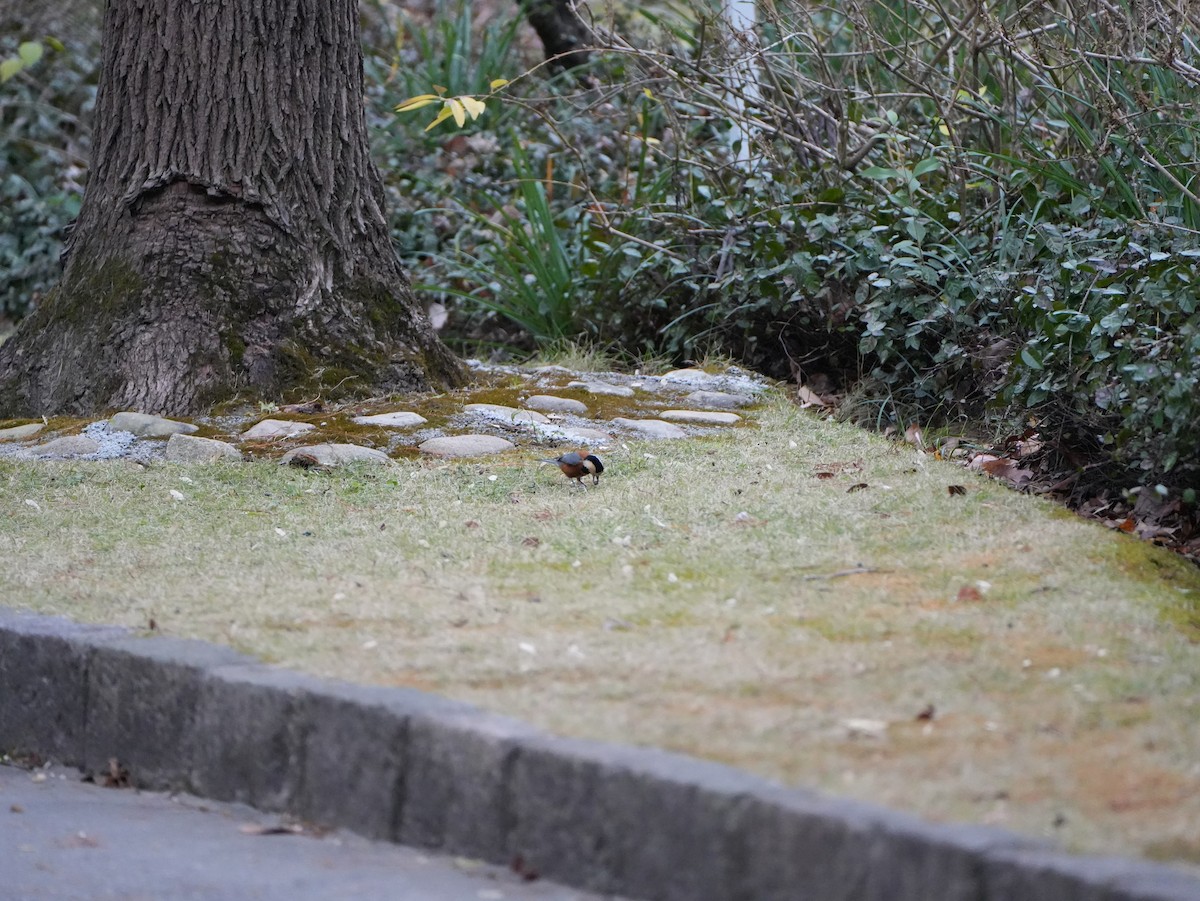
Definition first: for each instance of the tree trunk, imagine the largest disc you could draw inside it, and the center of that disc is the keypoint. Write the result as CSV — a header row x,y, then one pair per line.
x,y
564,35
232,235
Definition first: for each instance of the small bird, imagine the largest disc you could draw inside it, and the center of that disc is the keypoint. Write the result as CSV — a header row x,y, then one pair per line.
x,y
576,467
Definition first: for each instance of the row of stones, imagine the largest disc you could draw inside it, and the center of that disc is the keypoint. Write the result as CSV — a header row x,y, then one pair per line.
x,y
183,447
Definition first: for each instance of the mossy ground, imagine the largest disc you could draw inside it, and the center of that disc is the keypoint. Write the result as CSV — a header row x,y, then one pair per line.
x,y
715,596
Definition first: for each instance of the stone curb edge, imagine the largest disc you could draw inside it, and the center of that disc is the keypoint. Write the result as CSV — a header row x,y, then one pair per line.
x,y
411,767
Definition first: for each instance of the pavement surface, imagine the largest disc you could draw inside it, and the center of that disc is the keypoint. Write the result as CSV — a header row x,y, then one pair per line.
x,y
61,838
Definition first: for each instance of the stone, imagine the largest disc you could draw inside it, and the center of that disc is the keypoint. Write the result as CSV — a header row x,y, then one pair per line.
x,y
718,399
586,434
68,446
701,417
21,432
189,449
336,454
143,425
552,404
142,698
43,668
465,446
650,428
603,388
270,429
689,377
505,414
397,420
733,380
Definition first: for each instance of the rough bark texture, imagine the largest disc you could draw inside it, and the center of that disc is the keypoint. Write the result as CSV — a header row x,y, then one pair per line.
x,y
232,236
564,35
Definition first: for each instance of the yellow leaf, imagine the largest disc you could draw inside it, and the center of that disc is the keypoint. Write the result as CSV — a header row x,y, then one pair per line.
x,y
496,83
944,129
442,116
473,107
440,90
457,110
415,103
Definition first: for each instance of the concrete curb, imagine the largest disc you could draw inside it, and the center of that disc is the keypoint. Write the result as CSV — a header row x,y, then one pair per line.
x,y
422,770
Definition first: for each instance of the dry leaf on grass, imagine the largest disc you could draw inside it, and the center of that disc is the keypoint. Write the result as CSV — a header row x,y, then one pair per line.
x,y
1001,468
809,399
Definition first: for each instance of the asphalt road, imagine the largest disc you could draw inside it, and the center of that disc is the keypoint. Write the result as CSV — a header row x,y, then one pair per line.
x,y
62,839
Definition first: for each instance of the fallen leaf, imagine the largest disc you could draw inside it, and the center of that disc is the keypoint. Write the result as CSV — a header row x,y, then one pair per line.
x,y
530,541
926,714
956,490
117,775
914,436
524,869
969,593
857,487
472,524
1002,468
826,475
1128,525
264,829
809,398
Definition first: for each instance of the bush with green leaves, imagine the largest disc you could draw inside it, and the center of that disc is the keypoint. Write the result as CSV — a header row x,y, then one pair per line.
x,y
972,216
44,141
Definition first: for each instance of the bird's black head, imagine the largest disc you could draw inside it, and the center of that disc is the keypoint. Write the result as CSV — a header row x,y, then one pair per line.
x,y
592,463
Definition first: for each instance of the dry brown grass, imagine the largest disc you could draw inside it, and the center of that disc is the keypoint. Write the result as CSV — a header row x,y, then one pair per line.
x,y
651,610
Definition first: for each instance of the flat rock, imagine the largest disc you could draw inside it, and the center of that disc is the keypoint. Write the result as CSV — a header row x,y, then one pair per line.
x,y
552,404
506,414
465,446
190,449
701,417
336,454
733,380
586,434
719,400
143,425
68,446
270,429
688,377
650,428
21,432
397,420
603,388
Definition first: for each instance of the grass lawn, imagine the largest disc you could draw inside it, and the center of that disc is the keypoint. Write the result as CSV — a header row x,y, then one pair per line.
x,y
796,597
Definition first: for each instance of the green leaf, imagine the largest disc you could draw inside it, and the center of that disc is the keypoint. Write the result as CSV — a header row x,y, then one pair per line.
x,y
9,68
56,45
1030,360
30,52
926,166
879,173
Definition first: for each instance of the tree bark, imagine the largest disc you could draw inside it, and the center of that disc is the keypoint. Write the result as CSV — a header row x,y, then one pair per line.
x,y
232,237
564,35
